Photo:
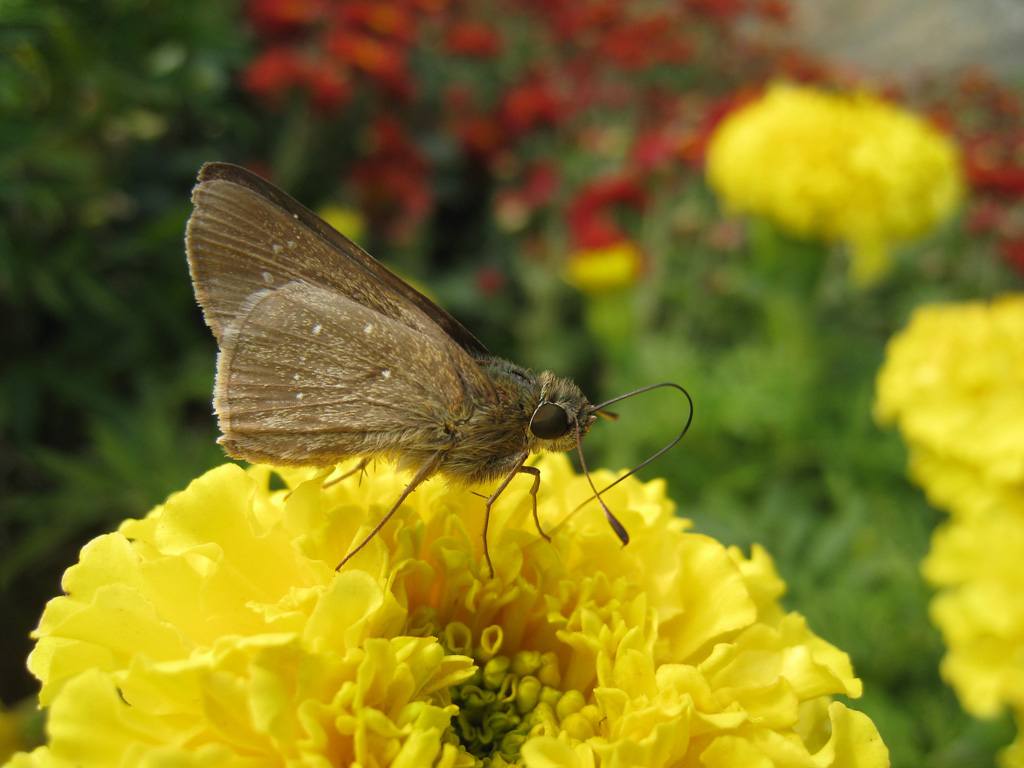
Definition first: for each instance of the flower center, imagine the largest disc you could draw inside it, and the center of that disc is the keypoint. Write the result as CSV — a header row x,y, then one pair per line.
x,y
498,707
507,700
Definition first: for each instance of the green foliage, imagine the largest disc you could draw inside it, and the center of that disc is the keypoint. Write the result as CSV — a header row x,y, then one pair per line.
x,y
106,372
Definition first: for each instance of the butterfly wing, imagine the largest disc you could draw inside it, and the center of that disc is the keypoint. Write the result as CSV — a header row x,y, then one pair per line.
x,y
246,236
306,376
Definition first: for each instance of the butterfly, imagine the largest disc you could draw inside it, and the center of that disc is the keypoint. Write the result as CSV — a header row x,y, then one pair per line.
x,y
326,355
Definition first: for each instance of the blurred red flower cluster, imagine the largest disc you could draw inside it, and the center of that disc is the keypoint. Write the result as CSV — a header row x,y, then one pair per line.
x,y
988,120
577,107
517,86
327,47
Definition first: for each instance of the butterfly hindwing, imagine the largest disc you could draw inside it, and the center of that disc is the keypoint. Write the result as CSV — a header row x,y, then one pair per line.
x,y
301,360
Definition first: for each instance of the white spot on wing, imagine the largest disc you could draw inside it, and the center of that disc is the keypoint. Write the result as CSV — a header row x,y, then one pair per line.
x,y
295,377
317,328
386,373
292,244
268,278
277,248
299,395
368,328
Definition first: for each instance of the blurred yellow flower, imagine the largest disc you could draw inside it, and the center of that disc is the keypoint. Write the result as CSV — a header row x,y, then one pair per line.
x,y
953,382
598,270
215,632
838,167
346,220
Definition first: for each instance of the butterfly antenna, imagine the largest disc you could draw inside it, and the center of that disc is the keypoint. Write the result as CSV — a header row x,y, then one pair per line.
x,y
642,464
613,521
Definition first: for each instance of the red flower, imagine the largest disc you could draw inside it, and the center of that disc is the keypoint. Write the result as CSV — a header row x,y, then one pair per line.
x,y
388,137
470,38
655,41
328,85
776,10
382,60
996,164
481,135
273,73
654,149
393,180
613,189
278,71
581,22
385,19
529,105
591,213
1013,252
275,18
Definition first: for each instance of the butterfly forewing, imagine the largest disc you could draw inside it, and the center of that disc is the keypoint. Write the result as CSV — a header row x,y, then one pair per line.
x,y
246,236
302,360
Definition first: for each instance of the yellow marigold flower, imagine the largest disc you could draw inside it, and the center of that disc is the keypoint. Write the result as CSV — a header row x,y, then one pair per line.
x,y
976,564
953,382
215,632
598,270
839,167
981,610
36,759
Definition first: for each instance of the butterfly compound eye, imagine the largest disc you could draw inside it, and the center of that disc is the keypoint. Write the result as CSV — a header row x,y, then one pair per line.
x,y
549,421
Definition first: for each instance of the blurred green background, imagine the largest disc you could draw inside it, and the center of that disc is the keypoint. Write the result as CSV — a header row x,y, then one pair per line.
x,y
482,150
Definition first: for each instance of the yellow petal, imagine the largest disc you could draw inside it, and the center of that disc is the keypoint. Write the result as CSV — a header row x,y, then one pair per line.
x,y
855,741
549,752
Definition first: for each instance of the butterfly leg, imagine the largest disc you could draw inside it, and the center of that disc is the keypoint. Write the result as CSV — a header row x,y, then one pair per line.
x,y
519,467
425,471
533,493
360,467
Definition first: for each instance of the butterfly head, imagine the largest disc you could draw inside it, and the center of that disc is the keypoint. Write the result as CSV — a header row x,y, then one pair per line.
x,y
563,415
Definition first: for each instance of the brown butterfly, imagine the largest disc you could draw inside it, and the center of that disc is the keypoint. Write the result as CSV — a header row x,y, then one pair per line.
x,y
326,355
